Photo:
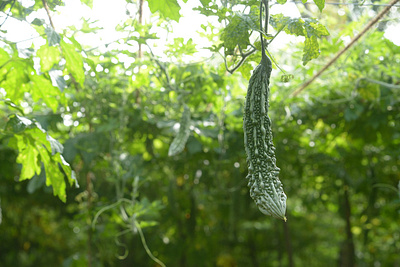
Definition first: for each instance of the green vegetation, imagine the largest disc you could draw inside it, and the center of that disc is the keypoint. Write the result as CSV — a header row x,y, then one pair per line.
x,y
131,153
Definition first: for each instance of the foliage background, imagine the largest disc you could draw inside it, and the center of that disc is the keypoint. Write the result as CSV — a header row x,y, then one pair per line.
x,y
110,113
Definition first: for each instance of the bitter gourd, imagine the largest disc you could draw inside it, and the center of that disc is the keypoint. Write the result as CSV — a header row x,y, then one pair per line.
x,y
263,178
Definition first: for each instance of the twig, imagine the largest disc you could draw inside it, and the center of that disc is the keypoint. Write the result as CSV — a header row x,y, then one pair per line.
x,y
266,5
106,44
31,38
8,14
145,245
276,64
358,36
48,13
276,34
140,23
242,60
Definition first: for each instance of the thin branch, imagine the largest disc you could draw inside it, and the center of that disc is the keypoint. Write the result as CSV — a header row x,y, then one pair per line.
x,y
106,44
113,205
242,60
140,23
126,250
276,64
276,34
261,28
31,38
343,4
366,28
48,13
387,85
145,245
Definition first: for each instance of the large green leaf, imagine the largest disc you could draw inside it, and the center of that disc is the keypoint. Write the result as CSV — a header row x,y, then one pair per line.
x,y
311,29
311,49
49,55
42,88
237,32
28,157
52,36
36,147
74,62
320,4
17,124
15,75
314,28
167,8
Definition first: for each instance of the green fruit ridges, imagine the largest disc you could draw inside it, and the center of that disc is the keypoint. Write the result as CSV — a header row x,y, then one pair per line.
x,y
263,178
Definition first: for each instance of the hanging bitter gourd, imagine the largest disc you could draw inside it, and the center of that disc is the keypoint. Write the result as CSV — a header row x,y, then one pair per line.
x,y
263,178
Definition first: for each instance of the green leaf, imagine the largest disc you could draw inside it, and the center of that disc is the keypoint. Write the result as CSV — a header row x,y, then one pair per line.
x,y
54,177
74,62
35,147
311,29
86,27
52,37
167,8
281,1
320,4
179,142
237,32
28,157
311,49
314,28
49,55
15,76
18,124
295,27
181,47
42,88
38,22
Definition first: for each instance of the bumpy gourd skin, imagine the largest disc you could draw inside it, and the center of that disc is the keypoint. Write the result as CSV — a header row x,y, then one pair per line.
x,y
263,179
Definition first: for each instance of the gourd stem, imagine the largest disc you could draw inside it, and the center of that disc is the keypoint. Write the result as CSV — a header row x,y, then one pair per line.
x,y
266,5
261,27
265,30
